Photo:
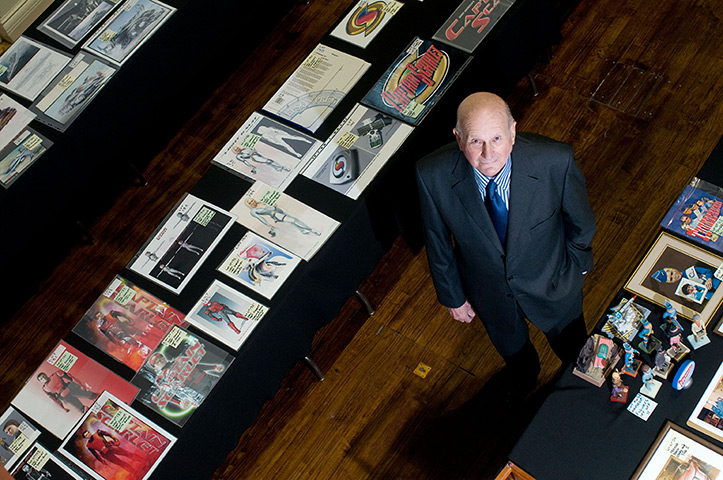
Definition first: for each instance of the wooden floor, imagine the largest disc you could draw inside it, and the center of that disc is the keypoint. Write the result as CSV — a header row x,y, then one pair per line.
x,y
636,87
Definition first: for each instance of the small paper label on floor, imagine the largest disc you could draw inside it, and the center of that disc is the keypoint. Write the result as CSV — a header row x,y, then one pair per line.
x,y
642,406
422,370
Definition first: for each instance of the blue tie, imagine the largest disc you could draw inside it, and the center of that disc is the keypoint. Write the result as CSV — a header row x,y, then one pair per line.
x,y
497,209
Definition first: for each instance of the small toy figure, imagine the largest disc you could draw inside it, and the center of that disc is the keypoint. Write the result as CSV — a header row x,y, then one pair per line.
x,y
619,391
670,318
662,363
631,364
648,342
699,337
677,350
650,385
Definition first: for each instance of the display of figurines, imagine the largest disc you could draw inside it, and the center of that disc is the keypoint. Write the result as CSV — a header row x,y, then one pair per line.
x,y
649,342
670,321
597,359
631,363
650,384
677,350
662,363
699,337
619,391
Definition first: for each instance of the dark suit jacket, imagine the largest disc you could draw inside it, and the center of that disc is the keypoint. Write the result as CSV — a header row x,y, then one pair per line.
x,y
549,234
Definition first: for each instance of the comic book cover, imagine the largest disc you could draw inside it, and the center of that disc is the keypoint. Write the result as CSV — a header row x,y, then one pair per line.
x,y
267,150
226,314
182,243
17,435
259,264
114,442
471,22
39,464
73,20
284,220
178,376
416,80
359,147
127,322
696,215
316,87
14,118
59,392
27,67
19,154
365,20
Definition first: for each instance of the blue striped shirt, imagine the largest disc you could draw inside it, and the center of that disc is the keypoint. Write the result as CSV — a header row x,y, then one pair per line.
x,y
502,179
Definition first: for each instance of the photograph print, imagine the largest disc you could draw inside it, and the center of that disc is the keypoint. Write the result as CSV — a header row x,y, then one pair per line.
x,y
17,435
74,19
14,118
19,154
681,273
39,464
27,67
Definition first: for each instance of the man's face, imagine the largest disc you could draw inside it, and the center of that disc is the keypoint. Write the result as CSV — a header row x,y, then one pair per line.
x,y
673,275
11,430
486,139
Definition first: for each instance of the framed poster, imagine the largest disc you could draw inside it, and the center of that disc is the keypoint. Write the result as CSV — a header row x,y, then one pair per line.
x,y
707,416
74,19
678,454
365,20
114,442
127,29
680,273
27,67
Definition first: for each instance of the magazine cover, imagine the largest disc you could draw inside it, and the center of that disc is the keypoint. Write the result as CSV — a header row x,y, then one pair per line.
x,y
182,243
59,392
356,151
127,29
284,220
416,80
225,314
696,214
39,464
471,22
14,118
315,88
264,149
20,153
259,264
365,20
27,67
114,442
17,436
67,96
127,322
74,19
178,376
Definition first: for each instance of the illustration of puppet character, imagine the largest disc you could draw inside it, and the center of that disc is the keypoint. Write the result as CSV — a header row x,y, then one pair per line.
x,y
32,474
11,428
220,312
22,155
700,275
258,263
64,389
278,137
121,329
244,154
277,214
106,447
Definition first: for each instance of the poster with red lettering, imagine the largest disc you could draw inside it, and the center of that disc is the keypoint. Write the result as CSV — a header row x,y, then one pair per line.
x,y
114,442
178,376
417,79
128,323
471,22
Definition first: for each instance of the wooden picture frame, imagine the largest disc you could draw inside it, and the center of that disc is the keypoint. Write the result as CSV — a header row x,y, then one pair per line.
x,y
670,266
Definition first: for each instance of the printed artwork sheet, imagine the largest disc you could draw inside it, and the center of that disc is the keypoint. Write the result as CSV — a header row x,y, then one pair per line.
x,y
39,464
227,314
315,88
182,243
127,322
416,80
74,19
264,149
58,393
471,22
14,118
707,415
365,20
284,220
178,376
27,67
16,436
259,264
20,153
359,147
114,442
127,29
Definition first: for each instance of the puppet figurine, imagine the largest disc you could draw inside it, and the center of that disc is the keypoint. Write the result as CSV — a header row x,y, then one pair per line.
x,y
677,350
699,337
670,319
619,391
631,364
650,385
662,363
648,342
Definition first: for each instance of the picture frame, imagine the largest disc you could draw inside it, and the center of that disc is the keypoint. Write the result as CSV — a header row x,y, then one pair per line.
x,y
28,66
672,263
73,20
677,452
707,416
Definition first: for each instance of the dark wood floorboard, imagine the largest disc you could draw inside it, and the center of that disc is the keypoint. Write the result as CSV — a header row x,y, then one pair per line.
x,y
636,87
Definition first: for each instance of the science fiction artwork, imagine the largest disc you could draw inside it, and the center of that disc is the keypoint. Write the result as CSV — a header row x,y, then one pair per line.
x,y
114,442
127,29
14,118
182,243
259,264
19,154
28,66
127,323
74,19
178,376
226,314
471,22
17,435
267,150
416,80
696,215
39,464
359,147
64,386
365,20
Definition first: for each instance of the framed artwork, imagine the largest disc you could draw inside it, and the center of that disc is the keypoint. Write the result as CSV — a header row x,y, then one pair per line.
x,y
73,20
707,416
679,454
681,273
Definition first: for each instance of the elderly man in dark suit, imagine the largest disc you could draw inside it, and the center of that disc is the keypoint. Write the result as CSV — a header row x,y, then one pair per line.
x,y
508,233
